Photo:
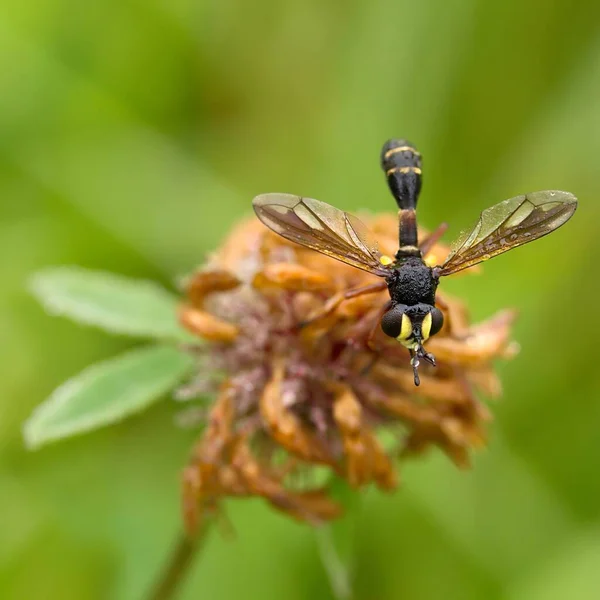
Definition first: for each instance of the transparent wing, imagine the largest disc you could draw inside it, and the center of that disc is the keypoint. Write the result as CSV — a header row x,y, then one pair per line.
x,y
509,224
321,227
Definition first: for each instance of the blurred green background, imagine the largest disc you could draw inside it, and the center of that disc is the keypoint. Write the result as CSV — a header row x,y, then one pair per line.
x,y
134,134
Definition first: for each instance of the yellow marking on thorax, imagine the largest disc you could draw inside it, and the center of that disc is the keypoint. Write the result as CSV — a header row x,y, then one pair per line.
x,y
400,149
386,260
403,170
431,261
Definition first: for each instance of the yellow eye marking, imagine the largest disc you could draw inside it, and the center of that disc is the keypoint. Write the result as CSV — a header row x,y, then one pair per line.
x,y
405,329
386,260
426,326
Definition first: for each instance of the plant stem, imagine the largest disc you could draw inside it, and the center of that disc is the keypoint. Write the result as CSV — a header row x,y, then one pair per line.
x,y
177,566
339,577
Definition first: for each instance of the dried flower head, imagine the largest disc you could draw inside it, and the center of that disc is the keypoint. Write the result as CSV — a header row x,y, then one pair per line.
x,y
291,399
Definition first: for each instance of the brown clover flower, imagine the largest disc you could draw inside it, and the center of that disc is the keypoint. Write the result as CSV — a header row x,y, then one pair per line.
x,y
292,399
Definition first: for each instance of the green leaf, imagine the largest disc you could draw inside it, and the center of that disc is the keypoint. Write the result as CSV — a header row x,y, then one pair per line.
x,y
112,302
106,393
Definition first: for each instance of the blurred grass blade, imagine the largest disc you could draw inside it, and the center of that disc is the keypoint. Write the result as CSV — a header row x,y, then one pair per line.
x,y
107,392
112,302
337,540
336,569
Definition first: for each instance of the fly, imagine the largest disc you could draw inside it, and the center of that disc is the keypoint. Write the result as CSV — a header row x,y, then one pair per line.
x,y
411,315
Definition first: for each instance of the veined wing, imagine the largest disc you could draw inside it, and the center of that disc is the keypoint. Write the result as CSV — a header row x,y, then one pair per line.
x,y
321,227
508,225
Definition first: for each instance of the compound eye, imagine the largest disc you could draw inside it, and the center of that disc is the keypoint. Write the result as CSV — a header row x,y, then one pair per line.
x,y
395,323
437,320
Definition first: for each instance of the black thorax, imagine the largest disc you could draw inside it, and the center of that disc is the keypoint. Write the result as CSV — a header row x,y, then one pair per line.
x,y
412,282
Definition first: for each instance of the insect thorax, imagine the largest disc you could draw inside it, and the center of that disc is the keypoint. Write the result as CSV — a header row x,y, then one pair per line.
x,y
412,282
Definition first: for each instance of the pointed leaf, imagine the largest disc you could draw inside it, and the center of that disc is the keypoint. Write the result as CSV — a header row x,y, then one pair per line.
x,y
107,392
112,302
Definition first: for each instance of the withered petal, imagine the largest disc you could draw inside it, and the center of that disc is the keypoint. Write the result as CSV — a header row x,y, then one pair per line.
x,y
297,397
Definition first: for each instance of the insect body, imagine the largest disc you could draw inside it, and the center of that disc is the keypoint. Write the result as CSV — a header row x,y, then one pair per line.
x,y
411,315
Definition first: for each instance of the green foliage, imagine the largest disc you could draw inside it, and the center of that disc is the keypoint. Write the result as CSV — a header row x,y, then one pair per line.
x,y
106,393
134,134
111,302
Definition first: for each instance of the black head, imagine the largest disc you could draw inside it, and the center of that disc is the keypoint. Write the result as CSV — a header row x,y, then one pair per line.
x,y
412,326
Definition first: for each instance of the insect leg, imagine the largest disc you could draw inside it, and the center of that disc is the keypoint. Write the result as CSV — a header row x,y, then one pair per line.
x,y
456,317
433,238
337,299
414,361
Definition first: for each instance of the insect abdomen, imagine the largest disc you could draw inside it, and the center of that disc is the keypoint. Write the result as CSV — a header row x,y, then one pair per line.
x,y
402,166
